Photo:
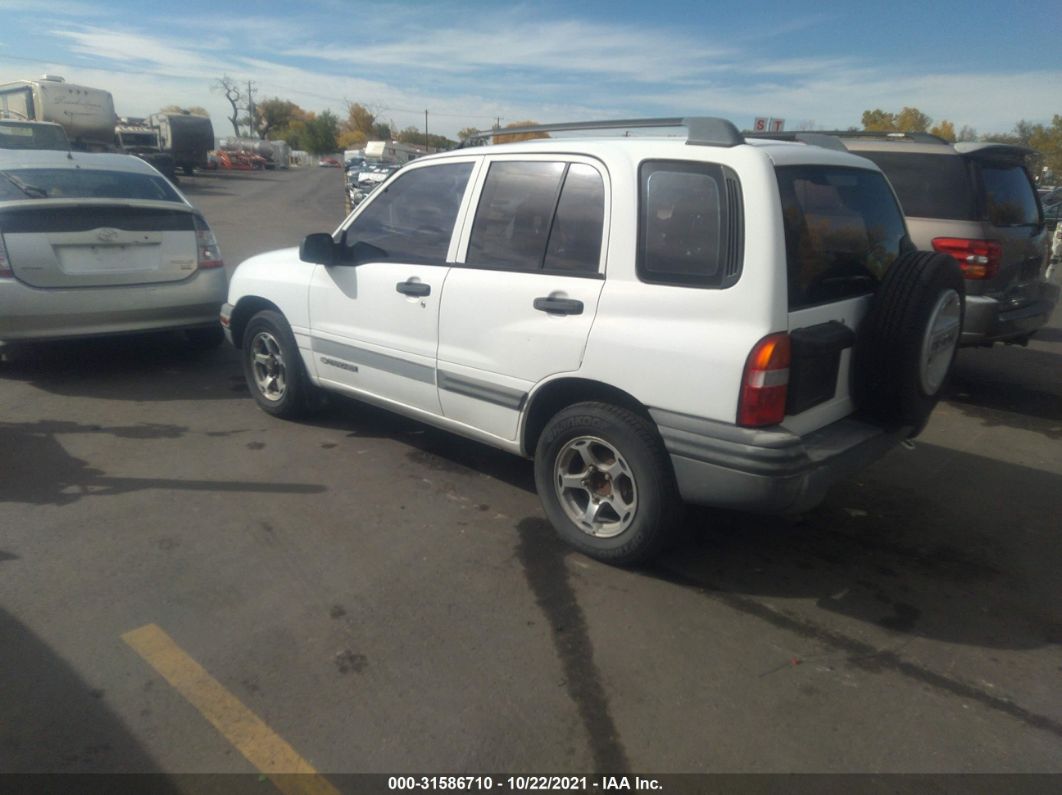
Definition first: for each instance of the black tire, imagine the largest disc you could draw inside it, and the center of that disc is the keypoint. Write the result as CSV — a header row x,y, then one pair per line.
x,y
204,339
901,363
608,433
273,367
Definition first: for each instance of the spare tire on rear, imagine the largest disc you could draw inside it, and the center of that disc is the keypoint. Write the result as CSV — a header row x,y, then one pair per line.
x,y
907,343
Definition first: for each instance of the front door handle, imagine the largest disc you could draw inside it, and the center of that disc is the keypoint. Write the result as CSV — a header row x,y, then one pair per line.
x,y
413,289
559,306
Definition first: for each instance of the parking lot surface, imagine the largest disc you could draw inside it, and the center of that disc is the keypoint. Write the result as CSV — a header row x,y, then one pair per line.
x,y
384,597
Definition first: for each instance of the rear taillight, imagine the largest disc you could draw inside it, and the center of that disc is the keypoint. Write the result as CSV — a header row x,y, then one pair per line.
x,y
765,383
207,251
979,259
5,263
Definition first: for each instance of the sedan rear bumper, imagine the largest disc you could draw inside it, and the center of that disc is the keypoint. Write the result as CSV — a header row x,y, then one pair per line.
x,y
32,313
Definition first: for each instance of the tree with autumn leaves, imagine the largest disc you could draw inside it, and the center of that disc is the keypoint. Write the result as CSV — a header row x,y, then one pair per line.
x,y
1044,139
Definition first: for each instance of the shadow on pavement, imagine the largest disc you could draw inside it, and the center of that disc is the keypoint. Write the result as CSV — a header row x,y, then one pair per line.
x,y
141,367
46,474
53,721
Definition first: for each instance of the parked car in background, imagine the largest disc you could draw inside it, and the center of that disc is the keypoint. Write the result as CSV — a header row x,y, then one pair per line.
x,y
653,319
329,162
977,203
102,244
17,134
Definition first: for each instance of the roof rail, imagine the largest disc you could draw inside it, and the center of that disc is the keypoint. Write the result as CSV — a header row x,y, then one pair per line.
x,y
916,137
701,130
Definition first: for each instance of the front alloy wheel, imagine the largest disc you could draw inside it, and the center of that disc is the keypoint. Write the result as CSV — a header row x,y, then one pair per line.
x,y
267,364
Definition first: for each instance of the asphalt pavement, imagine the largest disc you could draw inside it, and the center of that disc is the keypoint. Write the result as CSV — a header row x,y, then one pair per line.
x,y
384,597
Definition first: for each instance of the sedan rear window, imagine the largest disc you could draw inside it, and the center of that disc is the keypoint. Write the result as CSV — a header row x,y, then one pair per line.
x,y
929,186
843,230
79,183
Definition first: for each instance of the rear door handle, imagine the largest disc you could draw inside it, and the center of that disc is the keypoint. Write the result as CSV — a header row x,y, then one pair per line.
x,y
413,289
559,306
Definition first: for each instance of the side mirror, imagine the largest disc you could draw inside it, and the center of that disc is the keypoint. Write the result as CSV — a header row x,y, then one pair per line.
x,y
319,248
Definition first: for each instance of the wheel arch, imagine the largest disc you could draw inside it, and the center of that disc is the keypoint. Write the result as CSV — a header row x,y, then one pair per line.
x,y
246,308
552,396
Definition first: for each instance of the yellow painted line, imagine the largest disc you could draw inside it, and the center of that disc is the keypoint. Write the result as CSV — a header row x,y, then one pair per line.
x,y
262,747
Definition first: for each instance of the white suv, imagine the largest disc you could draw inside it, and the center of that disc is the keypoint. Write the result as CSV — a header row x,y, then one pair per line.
x,y
655,320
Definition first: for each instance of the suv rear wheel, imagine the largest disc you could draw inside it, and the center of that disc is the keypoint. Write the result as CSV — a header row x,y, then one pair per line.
x,y
606,483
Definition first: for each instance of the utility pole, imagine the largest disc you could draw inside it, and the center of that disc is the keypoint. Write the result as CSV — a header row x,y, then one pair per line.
x,y
425,129
252,122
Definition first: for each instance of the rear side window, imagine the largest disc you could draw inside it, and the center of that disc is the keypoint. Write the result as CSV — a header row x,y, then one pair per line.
x,y
412,219
70,183
539,216
929,186
690,228
843,230
1009,196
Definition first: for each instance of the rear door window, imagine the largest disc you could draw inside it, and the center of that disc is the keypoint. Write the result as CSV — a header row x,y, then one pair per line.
x,y
1009,196
539,216
929,186
843,229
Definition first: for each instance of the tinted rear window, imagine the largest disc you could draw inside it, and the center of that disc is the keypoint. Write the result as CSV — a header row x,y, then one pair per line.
x,y
32,136
929,186
843,230
70,183
1009,197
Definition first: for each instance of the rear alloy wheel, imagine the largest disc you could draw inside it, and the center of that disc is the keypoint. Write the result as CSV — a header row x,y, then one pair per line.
x,y
273,367
606,483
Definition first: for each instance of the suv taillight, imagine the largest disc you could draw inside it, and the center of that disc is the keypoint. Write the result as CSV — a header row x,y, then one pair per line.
x,y
207,251
765,383
979,259
5,263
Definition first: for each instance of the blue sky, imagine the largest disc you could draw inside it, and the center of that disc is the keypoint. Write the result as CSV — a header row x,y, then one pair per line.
x,y
821,64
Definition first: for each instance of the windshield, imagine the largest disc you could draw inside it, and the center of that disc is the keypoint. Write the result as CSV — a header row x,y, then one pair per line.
x,y
139,139
70,183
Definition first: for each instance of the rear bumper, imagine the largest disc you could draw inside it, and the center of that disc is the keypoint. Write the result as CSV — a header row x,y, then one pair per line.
x,y
33,313
769,471
990,320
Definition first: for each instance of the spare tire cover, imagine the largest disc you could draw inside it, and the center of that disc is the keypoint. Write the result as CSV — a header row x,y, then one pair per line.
x,y
907,343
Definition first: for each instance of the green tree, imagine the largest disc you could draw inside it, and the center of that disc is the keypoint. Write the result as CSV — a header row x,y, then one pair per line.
x,y
944,129
907,120
276,114
508,139
878,120
466,133
321,133
193,110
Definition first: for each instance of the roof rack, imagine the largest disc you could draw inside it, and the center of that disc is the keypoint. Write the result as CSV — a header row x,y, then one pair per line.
x,y
701,130
915,137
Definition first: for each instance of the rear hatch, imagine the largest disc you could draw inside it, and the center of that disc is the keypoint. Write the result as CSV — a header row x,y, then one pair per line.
x,y
843,229
98,245
71,228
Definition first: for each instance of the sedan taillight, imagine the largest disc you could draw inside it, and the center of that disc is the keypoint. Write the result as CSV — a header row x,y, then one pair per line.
x,y
207,251
979,259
